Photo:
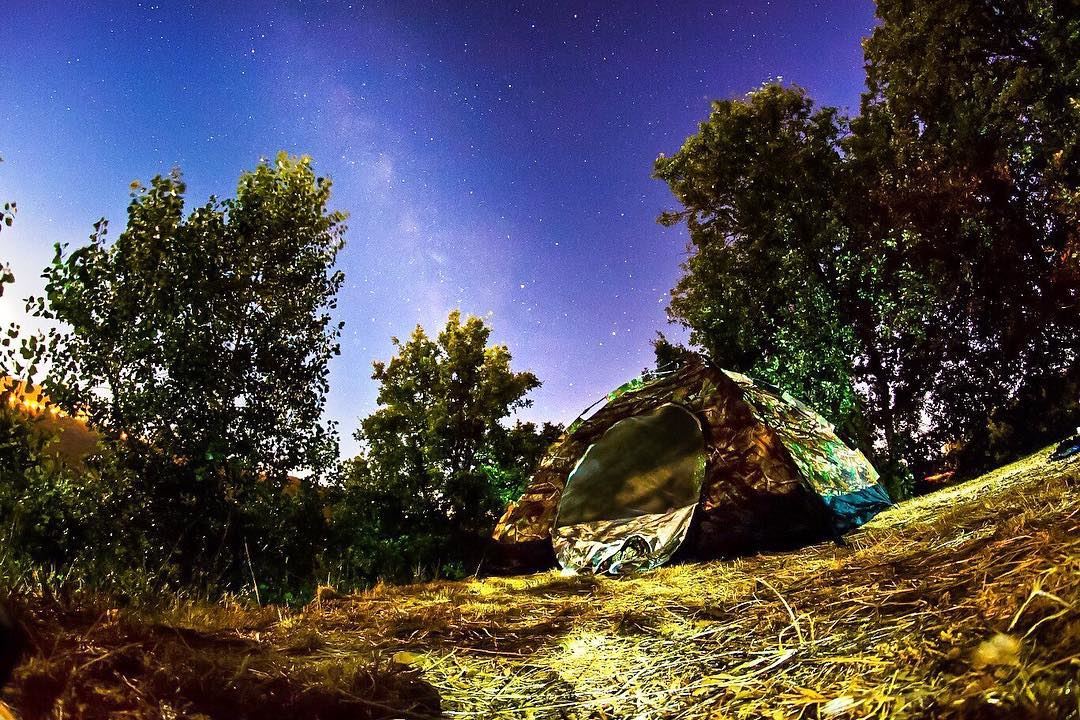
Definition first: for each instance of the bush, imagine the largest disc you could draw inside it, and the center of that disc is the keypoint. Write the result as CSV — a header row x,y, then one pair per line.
x,y
81,522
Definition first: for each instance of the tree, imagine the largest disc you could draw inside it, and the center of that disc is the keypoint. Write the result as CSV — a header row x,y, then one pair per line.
x,y
200,344
970,132
438,463
56,516
10,360
514,455
70,517
764,290
7,217
668,355
912,271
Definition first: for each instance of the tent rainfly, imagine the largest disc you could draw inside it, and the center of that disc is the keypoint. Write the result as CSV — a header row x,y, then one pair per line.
x,y
700,460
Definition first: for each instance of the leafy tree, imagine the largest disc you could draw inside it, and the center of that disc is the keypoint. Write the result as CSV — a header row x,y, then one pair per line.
x,y
8,356
7,217
513,457
913,271
668,355
764,289
970,130
73,519
200,344
438,463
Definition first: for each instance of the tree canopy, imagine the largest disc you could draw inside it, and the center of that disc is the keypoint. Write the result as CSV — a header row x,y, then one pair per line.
x,y
762,289
969,141
200,341
439,463
912,270
7,217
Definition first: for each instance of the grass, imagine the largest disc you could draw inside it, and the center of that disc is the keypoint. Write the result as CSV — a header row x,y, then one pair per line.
x,y
960,604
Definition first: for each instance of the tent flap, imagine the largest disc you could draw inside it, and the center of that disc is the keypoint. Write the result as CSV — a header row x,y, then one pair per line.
x,y
621,546
628,502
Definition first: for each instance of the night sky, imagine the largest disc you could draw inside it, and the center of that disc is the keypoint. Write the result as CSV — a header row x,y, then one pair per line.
x,y
494,157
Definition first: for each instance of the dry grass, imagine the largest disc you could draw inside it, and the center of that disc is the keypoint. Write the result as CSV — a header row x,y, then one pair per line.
x,y
197,662
965,604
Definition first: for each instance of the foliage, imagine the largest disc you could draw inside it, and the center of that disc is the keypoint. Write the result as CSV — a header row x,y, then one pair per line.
x,y
82,519
199,345
7,217
913,271
515,452
438,463
9,359
55,515
668,355
765,288
969,138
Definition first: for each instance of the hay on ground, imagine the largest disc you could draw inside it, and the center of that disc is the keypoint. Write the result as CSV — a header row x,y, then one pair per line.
x,y
960,604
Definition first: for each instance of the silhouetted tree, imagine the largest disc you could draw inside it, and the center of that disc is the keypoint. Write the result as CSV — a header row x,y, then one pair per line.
x,y
765,289
969,145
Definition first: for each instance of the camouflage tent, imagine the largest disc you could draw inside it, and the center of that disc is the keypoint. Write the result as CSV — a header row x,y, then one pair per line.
x,y
700,460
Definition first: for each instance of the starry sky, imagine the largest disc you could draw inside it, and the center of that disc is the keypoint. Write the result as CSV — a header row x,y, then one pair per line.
x,y
493,156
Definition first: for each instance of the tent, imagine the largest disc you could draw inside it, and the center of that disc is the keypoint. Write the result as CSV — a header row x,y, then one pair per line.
x,y
699,460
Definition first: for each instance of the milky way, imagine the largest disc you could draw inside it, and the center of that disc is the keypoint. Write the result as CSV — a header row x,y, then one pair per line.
x,y
494,157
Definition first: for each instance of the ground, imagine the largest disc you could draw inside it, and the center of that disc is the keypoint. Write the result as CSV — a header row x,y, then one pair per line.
x,y
964,603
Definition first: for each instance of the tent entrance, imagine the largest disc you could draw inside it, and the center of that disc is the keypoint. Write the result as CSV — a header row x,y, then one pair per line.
x,y
629,501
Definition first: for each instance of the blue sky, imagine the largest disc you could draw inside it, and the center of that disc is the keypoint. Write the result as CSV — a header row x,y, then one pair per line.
x,y
493,157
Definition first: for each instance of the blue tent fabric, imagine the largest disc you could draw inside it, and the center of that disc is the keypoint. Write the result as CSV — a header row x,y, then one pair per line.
x,y
853,509
1067,448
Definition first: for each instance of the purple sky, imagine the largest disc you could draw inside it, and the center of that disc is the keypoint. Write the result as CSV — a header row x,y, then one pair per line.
x,y
494,157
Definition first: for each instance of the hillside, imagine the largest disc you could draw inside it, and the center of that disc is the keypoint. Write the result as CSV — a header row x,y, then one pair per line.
x,y
964,603
74,440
